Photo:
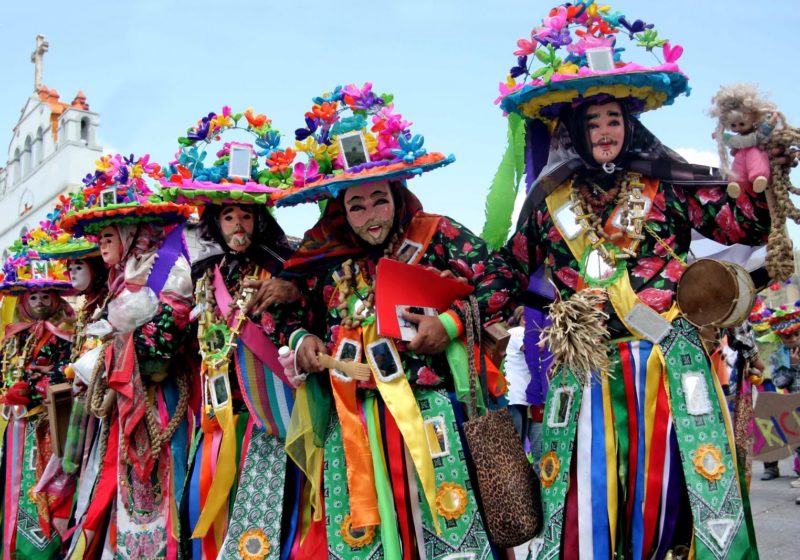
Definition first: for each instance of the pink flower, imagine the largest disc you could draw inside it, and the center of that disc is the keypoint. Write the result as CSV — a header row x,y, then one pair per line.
x,y
568,276
327,294
497,301
674,270
467,247
149,329
478,268
426,376
462,268
268,322
659,201
439,250
727,222
647,267
519,247
745,204
553,235
709,194
167,335
660,250
447,229
695,212
656,215
659,300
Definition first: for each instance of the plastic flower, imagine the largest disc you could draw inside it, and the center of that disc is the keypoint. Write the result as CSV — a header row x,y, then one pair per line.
x,y
388,122
311,147
526,47
305,173
360,99
325,112
256,121
410,149
280,160
223,120
335,95
506,89
587,41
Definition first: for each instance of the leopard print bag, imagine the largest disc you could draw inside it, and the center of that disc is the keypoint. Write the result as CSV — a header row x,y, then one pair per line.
x,y
507,485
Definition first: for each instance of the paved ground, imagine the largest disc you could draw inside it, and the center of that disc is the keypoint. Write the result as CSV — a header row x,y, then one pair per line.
x,y
776,516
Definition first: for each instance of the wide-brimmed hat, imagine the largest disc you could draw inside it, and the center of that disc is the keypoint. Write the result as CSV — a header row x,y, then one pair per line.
x,y
118,193
26,271
352,136
575,53
785,319
51,242
239,175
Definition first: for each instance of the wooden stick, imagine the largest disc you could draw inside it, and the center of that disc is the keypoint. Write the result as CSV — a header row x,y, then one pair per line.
x,y
358,371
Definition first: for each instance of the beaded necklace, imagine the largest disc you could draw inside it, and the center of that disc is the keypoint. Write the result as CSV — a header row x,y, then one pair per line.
x,y
347,285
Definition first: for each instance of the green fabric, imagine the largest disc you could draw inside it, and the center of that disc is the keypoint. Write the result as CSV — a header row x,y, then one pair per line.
x,y
242,419
258,505
712,502
458,361
31,541
390,538
620,411
465,534
320,412
560,440
337,501
503,190
449,325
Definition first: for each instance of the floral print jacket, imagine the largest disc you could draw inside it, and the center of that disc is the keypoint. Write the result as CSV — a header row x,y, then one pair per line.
x,y
653,272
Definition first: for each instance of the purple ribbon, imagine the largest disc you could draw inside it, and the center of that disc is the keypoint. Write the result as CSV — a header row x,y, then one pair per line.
x,y
173,247
538,360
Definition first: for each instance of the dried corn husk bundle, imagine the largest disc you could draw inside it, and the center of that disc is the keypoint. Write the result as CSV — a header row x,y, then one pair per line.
x,y
578,335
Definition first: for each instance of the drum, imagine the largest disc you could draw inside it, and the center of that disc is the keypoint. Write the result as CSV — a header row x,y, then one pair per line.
x,y
715,293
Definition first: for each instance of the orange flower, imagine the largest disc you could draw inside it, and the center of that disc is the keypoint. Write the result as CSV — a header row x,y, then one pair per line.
x,y
280,161
256,121
325,112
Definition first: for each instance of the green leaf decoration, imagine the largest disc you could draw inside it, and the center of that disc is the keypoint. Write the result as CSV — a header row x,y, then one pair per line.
x,y
503,190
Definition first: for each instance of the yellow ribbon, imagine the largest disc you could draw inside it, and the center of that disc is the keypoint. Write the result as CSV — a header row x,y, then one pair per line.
x,y
301,449
402,405
225,473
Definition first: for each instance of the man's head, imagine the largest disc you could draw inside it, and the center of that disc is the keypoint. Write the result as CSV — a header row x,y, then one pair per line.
x,y
41,305
81,275
237,224
605,131
370,211
790,339
110,245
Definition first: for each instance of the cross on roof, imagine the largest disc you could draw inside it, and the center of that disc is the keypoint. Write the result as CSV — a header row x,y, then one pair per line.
x,y
37,57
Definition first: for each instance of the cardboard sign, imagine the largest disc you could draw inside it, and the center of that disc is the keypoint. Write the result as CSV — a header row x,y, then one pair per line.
x,y
410,285
777,426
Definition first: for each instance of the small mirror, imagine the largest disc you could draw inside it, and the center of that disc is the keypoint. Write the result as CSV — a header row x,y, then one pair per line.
x,y
353,148
108,197
240,160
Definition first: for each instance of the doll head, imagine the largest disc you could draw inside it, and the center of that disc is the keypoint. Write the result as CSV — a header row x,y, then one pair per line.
x,y
739,108
790,339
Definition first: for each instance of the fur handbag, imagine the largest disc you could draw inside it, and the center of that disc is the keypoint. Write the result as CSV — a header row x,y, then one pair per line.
x,y
507,484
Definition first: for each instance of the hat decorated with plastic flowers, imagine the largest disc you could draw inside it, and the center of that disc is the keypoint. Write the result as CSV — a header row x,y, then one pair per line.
x,y
785,319
352,136
576,52
238,175
25,271
118,192
51,242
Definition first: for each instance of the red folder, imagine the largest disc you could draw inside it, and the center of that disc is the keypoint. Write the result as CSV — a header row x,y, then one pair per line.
x,y
398,283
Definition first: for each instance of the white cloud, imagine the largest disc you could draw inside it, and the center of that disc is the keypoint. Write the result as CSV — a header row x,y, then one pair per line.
x,y
701,157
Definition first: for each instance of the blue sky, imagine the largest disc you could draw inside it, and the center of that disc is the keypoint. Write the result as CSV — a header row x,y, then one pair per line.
x,y
151,68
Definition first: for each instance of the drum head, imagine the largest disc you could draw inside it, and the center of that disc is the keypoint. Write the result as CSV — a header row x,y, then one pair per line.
x,y
707,292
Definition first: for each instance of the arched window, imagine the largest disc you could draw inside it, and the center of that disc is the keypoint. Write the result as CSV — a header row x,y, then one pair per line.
x,y
38,148
85,130
26,157
16,163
